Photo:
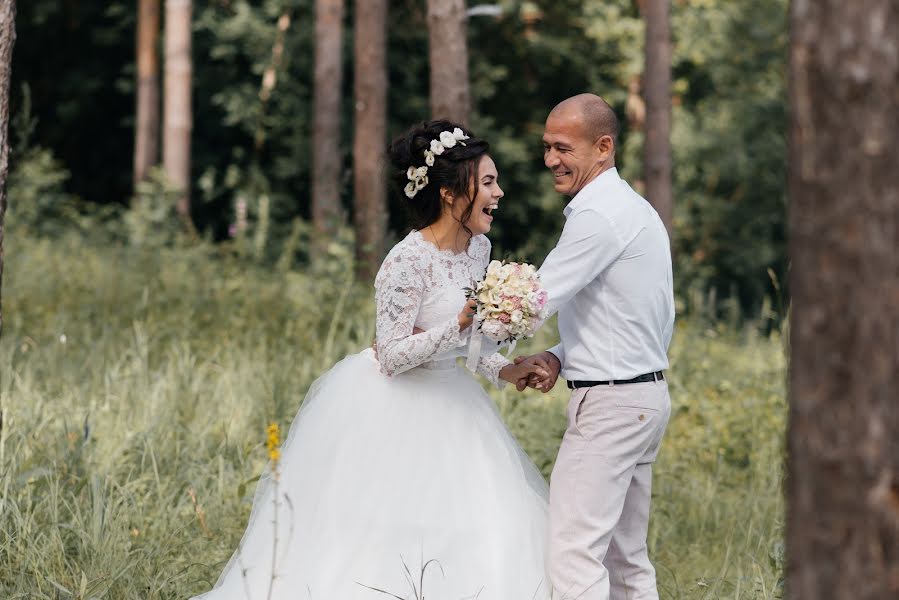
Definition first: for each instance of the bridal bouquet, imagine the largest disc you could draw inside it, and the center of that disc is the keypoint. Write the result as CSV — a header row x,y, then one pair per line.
x,y
511,304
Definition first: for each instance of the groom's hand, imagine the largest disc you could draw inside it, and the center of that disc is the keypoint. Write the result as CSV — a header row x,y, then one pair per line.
x,y
535,369
554,367
545,379
522,382
519,373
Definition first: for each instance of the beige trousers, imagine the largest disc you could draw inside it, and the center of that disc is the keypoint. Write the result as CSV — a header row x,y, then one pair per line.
x,y
600,491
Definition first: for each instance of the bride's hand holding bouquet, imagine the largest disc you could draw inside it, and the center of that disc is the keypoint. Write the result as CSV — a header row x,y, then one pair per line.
x,y
467,314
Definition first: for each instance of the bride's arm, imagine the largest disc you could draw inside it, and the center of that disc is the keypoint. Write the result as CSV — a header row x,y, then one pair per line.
x,y
490,366
399,289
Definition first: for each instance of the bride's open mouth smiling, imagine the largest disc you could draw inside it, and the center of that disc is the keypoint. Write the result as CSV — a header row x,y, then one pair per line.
x,y
488,212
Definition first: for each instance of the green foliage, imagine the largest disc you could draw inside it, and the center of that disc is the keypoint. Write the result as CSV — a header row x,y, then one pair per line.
x,y
37,200
729,143
137,386
153,221
254,150
730,146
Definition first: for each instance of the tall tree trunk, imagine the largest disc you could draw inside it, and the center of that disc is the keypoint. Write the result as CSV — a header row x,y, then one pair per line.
x,y
327,161
7,41
370,135
448,52
146,134
178,118
270,77
657,87
843,474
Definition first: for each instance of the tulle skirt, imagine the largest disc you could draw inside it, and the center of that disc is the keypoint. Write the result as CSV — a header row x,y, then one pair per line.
x,y
408,485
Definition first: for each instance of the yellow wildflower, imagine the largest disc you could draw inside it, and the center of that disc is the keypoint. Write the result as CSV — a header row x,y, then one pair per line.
x,y
274,443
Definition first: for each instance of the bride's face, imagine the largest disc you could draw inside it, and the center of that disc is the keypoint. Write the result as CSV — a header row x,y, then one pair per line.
x,y
486,193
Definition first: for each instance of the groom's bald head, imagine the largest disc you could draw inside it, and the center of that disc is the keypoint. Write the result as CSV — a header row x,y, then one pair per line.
x,y
596,116
579,142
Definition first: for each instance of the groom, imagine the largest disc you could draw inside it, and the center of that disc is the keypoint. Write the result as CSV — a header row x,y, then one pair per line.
x,y
610,279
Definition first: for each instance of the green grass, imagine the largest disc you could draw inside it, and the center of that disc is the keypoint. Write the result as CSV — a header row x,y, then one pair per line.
x,y
136,388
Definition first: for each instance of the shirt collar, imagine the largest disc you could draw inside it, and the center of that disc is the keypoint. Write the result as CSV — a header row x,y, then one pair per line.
x,y
582,196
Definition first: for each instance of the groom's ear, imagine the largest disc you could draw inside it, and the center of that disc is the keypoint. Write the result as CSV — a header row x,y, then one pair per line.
x,y
605,145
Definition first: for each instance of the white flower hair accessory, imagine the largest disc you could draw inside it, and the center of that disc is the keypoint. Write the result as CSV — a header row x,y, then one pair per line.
x,y
418,177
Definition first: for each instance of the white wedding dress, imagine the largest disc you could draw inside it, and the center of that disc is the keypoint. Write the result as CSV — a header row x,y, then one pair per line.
x,y
393,463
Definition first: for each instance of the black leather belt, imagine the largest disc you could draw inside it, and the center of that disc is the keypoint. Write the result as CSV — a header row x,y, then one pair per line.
x,y
646,377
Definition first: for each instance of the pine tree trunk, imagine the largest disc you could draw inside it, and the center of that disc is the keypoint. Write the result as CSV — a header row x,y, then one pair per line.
x,y
370,135
146,134
7,41
448,52
178,118
843,474
657,90
327,161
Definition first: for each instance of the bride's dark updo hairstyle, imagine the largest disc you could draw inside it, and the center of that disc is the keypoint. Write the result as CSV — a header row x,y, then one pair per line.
x,y
456,169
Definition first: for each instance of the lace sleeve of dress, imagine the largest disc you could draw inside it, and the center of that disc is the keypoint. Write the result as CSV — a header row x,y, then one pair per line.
x,y
489,366
399,289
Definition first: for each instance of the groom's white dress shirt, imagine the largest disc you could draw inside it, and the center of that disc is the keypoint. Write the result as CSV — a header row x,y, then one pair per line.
x,y
609,277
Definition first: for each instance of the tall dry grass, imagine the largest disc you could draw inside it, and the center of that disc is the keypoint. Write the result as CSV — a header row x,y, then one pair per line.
x,y
136,388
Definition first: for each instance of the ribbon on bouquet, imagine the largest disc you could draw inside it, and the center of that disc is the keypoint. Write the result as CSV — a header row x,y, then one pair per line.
x,y
475,340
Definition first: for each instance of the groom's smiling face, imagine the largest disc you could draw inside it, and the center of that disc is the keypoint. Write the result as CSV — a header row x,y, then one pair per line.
x,y
574,159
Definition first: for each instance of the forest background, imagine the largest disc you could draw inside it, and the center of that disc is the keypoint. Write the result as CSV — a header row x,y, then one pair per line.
x,y
141,362
73,123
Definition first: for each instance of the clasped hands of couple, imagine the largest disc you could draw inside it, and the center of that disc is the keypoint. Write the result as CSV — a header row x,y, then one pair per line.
x,y
538,371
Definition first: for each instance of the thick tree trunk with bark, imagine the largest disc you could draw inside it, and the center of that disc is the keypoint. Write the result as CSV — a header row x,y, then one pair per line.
x,y
448,52
843,475
146,134
327,161
370,214
7,41
178,118
657,91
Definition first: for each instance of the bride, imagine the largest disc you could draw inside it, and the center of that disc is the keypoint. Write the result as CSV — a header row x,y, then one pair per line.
x,y
398,476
